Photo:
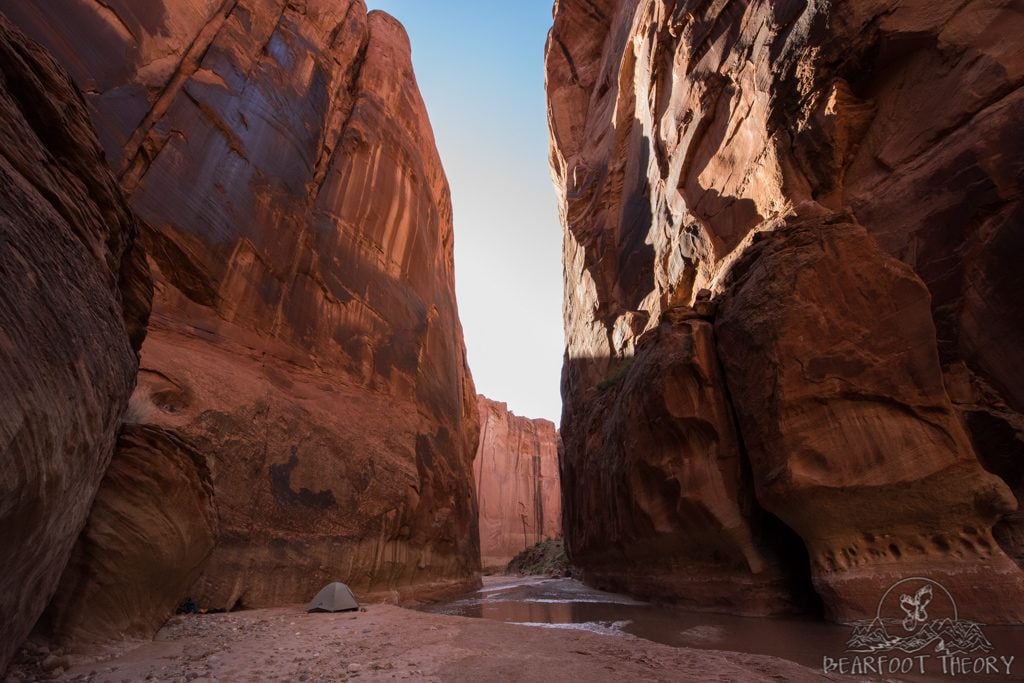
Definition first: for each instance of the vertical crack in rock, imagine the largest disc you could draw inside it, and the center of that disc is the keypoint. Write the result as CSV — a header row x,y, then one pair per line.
x,y
136,156
234,142
346,98
575,77
115,18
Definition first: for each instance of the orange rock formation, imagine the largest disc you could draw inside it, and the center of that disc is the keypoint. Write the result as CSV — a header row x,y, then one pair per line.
x,y
866,346
303,405
74,295
517,483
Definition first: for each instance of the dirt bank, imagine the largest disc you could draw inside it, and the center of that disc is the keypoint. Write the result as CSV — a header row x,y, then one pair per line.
x,y
388,642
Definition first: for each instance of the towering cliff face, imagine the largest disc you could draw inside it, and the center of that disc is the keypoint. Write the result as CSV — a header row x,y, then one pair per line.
x,y
74,295
304,387
517,483
864,344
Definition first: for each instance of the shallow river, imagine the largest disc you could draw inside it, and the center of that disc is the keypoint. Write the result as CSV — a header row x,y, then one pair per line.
x,y
568,604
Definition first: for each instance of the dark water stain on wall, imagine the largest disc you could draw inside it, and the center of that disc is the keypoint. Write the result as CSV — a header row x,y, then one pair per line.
x,y
281,481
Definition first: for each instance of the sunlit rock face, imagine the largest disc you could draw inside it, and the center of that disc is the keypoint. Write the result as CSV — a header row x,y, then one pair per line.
x,y
517,483
74,295
305,359
680,130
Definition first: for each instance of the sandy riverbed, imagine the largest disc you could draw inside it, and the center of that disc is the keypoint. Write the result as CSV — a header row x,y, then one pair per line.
x,y
387,642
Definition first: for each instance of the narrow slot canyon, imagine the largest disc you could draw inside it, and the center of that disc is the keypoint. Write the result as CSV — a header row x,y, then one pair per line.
x,y
285,287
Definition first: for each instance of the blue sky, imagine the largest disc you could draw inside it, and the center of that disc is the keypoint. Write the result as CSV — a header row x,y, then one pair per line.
x,y
482,76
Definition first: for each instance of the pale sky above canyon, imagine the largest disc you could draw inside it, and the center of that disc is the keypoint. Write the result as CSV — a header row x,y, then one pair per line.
x,y
482,76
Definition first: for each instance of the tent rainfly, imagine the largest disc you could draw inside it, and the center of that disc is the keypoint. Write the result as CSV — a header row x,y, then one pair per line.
x,y
334,597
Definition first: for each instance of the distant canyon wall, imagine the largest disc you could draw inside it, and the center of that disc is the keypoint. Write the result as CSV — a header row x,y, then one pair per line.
x,y
517,483
304,411
793,329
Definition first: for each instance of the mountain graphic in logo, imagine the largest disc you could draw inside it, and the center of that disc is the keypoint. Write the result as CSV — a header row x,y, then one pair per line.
x,y
903,623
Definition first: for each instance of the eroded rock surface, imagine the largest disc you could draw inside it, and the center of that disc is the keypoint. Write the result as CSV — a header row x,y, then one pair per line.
x,y
665,507
149,532
680,129
74,295
305,350
829,349
517,483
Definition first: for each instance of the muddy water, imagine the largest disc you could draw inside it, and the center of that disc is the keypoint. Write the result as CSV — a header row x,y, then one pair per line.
x,y
568,604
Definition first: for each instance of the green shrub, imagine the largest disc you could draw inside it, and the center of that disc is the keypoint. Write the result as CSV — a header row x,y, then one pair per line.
x,y
546,558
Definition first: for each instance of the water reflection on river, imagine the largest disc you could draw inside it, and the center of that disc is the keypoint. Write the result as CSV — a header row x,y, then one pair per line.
x,y
566,603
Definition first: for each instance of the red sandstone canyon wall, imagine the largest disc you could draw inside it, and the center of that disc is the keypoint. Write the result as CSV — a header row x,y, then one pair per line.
x,y
304,412
517,483
74,296
791,231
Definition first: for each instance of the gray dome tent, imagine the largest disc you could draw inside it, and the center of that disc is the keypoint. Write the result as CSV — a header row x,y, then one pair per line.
x,y
334,597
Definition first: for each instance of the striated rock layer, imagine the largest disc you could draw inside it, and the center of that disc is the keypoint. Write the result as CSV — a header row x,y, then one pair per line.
x,y
74,295
154,513
830,350
303,388
867,348
664,506
517,483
